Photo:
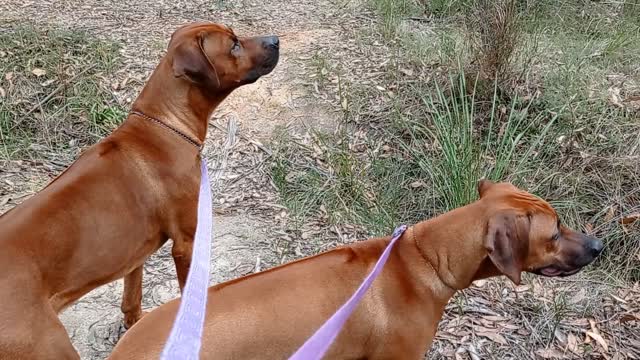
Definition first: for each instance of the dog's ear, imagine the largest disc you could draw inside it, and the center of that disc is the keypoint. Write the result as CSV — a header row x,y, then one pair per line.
x,y
191,62
507,243
483,186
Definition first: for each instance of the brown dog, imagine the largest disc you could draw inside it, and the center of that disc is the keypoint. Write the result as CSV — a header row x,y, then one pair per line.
x,y
124,197
270,314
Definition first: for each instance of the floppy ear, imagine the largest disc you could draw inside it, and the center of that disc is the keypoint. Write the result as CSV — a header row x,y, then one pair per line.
x,y
483,185
507,242
192,63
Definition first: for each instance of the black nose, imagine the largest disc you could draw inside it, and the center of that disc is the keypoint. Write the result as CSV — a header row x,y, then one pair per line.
x,y
596,247
272,42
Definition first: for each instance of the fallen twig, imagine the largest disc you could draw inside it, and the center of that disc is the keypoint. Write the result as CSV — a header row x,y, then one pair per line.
x,y
232,127
260,146
252,169
420,19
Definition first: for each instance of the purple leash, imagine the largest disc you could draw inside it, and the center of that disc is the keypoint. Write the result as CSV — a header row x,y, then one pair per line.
x,y
185,337
317,345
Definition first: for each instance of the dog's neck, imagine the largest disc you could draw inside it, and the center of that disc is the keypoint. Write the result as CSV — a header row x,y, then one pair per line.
x,y
453,245
178,102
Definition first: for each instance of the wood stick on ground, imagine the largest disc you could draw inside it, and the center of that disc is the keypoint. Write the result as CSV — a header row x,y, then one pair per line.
x,y
256,143
221,163
253,168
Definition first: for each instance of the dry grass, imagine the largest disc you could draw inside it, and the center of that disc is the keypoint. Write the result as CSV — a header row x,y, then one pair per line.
x,y
494,31
53,91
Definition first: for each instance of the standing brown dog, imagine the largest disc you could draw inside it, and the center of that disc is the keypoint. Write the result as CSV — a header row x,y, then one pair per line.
x,y
124,197
268,315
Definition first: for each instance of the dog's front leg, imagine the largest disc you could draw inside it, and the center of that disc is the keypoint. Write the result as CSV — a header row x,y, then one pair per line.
x,y
132,297
182,251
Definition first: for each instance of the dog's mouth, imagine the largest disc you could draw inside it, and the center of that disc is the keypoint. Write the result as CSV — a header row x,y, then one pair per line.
x,y
554,271
270,63
263,69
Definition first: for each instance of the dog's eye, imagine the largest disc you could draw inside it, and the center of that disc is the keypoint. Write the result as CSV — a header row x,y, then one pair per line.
x,y
555,237
236,46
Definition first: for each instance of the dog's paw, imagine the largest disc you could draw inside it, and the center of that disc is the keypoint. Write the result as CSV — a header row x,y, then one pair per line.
x,y
131,319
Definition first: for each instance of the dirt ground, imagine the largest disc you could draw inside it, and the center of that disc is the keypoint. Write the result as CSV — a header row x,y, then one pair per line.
x,y
250,231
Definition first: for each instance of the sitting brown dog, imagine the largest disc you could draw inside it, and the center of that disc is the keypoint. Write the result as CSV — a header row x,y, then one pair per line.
x,y
124,197
270,314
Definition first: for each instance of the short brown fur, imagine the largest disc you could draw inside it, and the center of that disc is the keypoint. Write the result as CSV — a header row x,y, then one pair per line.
x,y
270,314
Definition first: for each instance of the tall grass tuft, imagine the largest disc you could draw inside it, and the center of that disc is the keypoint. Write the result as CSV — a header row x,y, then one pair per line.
x,y
467,150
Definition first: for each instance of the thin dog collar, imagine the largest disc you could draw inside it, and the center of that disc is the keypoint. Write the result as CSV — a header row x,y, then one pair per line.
x,y
184,136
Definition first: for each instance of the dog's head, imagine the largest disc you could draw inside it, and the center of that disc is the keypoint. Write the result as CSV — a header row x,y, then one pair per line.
x,y
214,58
524,233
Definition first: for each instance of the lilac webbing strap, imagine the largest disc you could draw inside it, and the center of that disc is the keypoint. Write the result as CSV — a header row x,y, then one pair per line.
x,y
317,345
185,337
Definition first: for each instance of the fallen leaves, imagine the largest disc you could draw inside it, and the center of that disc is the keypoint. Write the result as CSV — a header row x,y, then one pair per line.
x,y
48,82
633,102
495,319
617,99
599,339
480,283
38,72
595,335
629,219
493,336
610,213
407,72
579,297
618,299
549,354
560,336
629,317
614,96
572,344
